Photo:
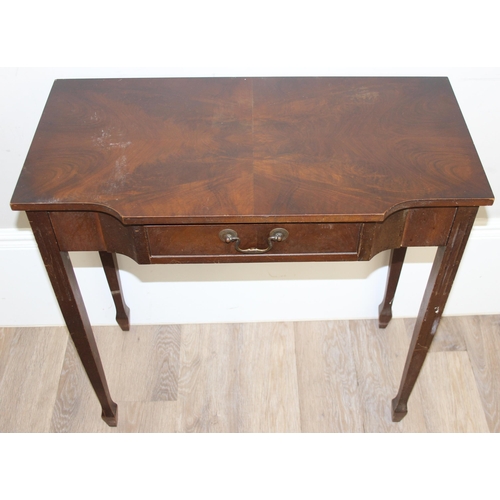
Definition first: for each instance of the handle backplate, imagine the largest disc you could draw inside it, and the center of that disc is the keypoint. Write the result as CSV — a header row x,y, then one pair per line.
x,y
231,236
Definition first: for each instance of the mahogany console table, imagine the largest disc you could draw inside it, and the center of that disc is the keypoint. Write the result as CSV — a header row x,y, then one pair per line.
x,y
251,170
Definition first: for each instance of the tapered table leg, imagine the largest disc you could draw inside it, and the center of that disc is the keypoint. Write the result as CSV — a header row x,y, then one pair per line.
x,y
62,277
436,294
110,266
395,265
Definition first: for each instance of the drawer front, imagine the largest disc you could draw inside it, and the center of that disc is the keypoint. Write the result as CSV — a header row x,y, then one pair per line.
x,y
202,243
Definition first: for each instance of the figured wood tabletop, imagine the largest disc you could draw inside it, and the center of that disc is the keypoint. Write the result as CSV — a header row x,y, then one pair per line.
x,y
159,151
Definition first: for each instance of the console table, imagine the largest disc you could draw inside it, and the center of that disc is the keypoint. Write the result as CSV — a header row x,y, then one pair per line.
x,y
251,170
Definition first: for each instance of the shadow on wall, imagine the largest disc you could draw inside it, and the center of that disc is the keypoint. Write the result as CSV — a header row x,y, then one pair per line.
x,y
266,271
22,221
159,273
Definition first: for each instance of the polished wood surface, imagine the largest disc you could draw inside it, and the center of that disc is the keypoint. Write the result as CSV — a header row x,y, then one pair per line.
x,y
395,267
67,291
110,266
436,294
168,244
225,150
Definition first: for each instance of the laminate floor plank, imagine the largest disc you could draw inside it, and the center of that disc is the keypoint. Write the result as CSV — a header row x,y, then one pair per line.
x,y
149,364
31,359
267,378
336,376
449,394
449,336
482,335
328,386
76,408
379,356
148,416
6,336
207,387
140,365
238,378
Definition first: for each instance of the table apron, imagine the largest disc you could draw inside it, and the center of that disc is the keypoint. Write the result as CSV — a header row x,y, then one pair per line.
x,y
151,244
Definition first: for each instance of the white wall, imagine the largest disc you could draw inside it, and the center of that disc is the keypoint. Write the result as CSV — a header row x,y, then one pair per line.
x,y
51,39
246,292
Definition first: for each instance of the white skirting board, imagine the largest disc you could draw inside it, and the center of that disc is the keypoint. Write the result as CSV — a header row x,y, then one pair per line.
x,y
222,293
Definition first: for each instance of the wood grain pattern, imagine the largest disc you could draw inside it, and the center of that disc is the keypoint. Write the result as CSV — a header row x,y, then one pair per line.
x,y
378,357
150,364
75,402
142,367
86,231
267,378
62,277
245,149
482,337
208,397
396,261
148,416
436,293
307,240
327,379
241,378
76,405
451,336
6,335
445,408
366,163
30,365
238,378
110,266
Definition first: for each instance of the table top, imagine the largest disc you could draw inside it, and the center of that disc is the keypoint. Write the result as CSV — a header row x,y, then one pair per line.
x,y
176,150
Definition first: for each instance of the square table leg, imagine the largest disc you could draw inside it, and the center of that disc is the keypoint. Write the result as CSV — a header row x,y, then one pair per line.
x,y
110,266
436,294
395,265
63,279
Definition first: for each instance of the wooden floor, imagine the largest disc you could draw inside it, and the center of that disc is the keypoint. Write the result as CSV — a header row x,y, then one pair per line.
x,y
337,376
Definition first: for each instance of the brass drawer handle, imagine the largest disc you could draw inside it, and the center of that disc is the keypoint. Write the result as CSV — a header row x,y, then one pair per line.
x,y
231,236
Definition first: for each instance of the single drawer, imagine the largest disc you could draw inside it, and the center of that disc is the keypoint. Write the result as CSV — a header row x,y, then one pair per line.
x,y
203,243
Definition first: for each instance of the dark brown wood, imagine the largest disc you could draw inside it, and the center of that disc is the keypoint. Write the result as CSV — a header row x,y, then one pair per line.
x,y
436,294
62,277
91,231
79,231
195,243
395,265
236,150
155,168
110,266
426,227
407,228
